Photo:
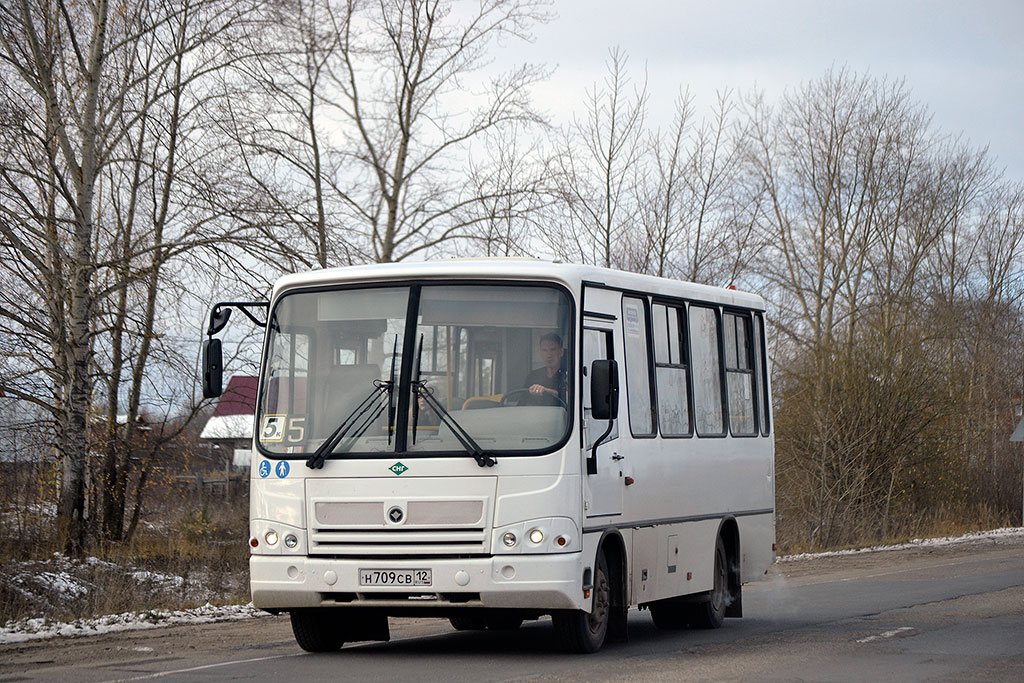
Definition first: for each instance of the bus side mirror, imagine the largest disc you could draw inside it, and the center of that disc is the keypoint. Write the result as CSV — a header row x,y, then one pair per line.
x,y
213,368
604,390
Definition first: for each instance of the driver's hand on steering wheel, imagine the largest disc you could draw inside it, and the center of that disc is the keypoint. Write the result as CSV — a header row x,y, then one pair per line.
x,y
538,389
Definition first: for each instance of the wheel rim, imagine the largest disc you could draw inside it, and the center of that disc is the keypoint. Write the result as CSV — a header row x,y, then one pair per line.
x,y
598,616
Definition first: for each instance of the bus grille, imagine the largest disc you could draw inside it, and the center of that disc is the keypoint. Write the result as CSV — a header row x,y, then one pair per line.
x,y
398,542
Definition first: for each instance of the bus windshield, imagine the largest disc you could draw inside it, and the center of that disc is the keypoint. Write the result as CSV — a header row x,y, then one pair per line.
x,y
490,360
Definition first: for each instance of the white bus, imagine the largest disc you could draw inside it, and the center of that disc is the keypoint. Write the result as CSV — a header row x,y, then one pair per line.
x,y
491,441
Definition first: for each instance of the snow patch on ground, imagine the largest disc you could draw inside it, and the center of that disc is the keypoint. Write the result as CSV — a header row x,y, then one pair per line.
x,y
1006,532
36,629
165,580
61,583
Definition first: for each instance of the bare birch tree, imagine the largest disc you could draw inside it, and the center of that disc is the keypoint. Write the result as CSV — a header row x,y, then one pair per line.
x,y
79,78
365,152
288,151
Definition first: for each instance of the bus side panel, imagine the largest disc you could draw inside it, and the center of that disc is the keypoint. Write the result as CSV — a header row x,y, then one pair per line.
x,y
665,555
757,534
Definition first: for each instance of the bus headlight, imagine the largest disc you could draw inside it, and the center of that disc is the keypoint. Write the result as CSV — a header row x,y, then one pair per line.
x,y
273,537
551,535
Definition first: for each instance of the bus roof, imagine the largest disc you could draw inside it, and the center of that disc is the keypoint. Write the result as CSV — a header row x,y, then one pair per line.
x,y
573,276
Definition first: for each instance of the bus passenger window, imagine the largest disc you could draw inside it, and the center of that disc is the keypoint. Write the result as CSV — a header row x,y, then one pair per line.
x,y
671,371
760,374
638,378
739,374
707,373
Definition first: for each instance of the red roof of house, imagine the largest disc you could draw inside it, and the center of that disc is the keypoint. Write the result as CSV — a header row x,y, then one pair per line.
x,y
239,398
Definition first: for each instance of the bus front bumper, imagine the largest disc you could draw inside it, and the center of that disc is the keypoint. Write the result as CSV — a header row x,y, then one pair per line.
x,y
537,582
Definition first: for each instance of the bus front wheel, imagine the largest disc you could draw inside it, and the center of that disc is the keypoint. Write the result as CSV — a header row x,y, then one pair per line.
x,y
582,632
317,630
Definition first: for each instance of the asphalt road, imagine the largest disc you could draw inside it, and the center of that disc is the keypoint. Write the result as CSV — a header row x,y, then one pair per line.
x,y
950,613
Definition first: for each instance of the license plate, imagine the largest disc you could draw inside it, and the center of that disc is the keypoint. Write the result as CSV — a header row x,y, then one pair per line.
x,y
394,577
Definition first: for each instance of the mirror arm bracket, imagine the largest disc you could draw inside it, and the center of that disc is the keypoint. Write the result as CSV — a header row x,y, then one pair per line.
x,y
221,311
592,458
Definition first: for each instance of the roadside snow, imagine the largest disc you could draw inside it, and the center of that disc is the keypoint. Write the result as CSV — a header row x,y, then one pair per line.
x,y
36,629
1006,532
59,582
167,580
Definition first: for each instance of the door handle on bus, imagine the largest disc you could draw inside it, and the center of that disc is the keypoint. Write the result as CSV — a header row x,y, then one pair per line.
x,y
616,456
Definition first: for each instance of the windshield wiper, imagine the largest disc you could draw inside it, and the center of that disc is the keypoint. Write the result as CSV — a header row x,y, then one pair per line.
x,y
420,390
365,412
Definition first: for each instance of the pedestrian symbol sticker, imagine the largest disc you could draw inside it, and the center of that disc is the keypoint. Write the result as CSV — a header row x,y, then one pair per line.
x,y
282,469
264,469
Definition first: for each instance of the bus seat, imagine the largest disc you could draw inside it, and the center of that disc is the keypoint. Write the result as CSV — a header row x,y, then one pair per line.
x,y
477,402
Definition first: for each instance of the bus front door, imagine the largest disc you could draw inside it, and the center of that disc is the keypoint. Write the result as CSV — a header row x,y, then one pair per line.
x,y
603,480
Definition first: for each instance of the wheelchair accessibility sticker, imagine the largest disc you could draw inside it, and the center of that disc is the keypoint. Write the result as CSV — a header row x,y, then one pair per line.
x,y
264,469
282,469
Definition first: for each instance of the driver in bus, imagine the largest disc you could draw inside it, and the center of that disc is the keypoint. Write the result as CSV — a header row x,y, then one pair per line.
x,y
546,385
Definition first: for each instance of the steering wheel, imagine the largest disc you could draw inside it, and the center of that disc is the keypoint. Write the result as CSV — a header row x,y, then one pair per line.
x,y
514,398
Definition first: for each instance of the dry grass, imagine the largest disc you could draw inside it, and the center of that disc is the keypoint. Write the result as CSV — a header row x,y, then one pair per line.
x,y
937,523
192,556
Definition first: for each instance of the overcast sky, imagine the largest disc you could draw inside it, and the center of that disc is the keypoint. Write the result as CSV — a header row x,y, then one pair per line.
x,y
963,59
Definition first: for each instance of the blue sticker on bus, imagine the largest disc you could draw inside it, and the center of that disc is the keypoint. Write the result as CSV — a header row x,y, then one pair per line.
x,y
264,468
282,469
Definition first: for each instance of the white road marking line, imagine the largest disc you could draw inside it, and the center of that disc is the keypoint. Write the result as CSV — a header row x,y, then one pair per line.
x,y
886,634
354,646
161,674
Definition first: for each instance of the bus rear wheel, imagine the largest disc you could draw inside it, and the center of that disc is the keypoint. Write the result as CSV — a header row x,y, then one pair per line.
x,y
678,613
582,632
317,630
711,614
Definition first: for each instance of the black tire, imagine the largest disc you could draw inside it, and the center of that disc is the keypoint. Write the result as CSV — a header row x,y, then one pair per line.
x,y
468,622
317,630
711,614
581,632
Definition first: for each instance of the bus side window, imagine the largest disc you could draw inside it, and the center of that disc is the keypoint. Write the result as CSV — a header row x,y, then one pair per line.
x,y
739,374
707,374
672,371
638,372
761,374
